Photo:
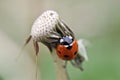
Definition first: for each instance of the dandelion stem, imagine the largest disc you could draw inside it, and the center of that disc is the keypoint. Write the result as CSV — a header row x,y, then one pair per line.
x,y
61,72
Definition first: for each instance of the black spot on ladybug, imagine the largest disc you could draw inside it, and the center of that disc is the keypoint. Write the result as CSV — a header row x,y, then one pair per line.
x,y
59,52
66,56
75,53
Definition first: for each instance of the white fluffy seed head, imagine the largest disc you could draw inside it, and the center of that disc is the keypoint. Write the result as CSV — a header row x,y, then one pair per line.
x,y
44,24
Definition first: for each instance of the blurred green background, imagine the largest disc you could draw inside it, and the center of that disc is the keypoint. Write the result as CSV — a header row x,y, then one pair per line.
x,y
97,21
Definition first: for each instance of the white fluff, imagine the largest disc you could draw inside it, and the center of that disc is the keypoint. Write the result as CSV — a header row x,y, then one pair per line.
x,y
82,49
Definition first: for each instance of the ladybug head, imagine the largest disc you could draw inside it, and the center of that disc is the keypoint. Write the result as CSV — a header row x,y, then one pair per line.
x,y
66,41
67,48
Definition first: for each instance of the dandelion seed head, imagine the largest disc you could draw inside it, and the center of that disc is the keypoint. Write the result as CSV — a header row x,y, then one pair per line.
x,y
44,24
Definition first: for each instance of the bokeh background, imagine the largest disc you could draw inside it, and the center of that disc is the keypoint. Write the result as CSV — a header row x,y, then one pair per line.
x,y
97,21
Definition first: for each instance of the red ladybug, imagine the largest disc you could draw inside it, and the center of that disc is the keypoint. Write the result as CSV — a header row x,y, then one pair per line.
x,y
68,48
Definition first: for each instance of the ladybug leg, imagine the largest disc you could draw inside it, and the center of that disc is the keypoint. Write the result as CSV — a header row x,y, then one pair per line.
x,y
36,47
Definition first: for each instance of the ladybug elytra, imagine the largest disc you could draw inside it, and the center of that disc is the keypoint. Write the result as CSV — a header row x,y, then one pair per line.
x,y
68,48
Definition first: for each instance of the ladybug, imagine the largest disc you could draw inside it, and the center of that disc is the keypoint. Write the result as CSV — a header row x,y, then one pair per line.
x,y
67,48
